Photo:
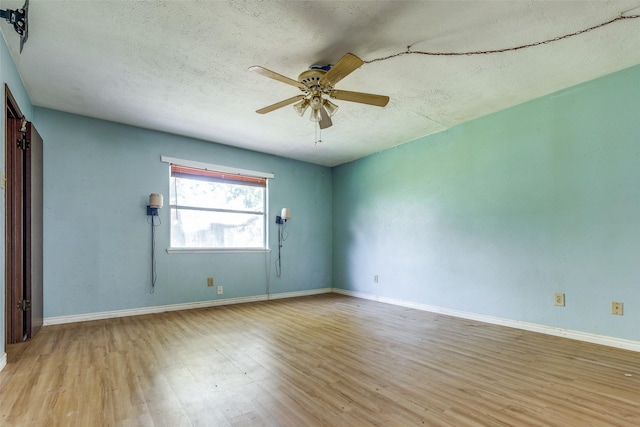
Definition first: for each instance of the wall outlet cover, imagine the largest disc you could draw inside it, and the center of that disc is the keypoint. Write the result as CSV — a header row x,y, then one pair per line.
x,y
558,299
616,308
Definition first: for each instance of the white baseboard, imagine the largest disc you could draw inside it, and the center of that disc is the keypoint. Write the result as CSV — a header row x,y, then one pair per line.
x,y
174,307
300,293
3,361
533,327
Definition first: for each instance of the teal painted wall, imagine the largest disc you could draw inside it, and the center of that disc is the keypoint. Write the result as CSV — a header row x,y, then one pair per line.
x,y
495,215
9,76
98,176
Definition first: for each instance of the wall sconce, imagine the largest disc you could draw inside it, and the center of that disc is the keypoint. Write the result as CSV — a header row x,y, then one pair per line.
x,y
155,203
284,216
281,220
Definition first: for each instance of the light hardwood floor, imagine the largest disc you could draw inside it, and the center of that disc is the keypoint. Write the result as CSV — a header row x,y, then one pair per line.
x,y
326,360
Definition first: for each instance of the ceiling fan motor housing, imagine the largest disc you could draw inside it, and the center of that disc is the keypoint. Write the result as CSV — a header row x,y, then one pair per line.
x,y
311,79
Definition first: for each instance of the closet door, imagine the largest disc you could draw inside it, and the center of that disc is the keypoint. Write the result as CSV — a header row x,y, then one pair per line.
x,y
33,219
23,226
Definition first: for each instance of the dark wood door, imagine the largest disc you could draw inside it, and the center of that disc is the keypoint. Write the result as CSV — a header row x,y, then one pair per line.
x,y
15,265
33,230
23,231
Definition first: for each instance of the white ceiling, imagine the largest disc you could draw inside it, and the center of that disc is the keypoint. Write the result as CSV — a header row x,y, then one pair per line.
x,y
182,66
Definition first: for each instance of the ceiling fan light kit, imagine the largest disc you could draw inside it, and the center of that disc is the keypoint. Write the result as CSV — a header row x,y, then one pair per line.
x,y
301,107
317,84
330,107
315,115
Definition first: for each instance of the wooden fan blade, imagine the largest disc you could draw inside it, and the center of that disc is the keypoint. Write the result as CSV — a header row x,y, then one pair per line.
x,y
279,104
326,120
275,76
363,98
347,64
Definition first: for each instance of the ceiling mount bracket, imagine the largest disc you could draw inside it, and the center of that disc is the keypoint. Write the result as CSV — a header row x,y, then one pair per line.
x,y
18,18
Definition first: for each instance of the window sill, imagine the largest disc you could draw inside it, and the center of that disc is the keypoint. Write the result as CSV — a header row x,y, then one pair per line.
x,y
215,250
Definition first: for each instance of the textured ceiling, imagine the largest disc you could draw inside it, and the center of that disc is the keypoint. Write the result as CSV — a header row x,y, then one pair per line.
x,y
182,66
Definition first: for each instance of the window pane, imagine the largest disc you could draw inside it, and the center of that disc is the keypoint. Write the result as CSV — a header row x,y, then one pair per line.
x,y
216,195
205,229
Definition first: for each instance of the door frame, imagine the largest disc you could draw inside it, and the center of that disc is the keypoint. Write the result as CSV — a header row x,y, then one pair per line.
x,y
13,287
23,194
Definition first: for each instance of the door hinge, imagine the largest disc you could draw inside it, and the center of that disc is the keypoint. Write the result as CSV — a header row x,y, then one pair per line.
x,y
23,144
24,305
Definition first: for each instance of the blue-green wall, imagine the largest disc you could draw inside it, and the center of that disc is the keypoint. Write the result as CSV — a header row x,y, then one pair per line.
x,y
494,216
98,176
9,76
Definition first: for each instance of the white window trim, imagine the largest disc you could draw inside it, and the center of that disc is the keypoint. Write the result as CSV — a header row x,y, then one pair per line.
x,y
215,250
229,170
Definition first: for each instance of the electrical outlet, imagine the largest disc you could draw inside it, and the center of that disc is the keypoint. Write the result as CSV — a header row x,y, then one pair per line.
x,y
558,299
616,308
209,281
220,290
375,279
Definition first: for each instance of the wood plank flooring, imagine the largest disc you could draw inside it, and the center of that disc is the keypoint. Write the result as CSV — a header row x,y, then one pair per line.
x,y
326,360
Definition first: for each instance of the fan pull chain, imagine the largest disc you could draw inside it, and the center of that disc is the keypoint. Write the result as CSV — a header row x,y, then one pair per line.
x,y
318,131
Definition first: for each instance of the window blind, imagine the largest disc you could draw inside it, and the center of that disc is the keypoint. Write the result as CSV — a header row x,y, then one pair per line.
x,y
215,176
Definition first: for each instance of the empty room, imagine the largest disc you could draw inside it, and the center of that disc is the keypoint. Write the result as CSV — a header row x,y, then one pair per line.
x,y
320,213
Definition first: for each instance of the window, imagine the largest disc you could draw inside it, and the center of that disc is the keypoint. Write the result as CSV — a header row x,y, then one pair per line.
x,y
216,209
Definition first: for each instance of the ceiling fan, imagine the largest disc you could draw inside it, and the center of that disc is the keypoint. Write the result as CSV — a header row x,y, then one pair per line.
x,y
317,84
